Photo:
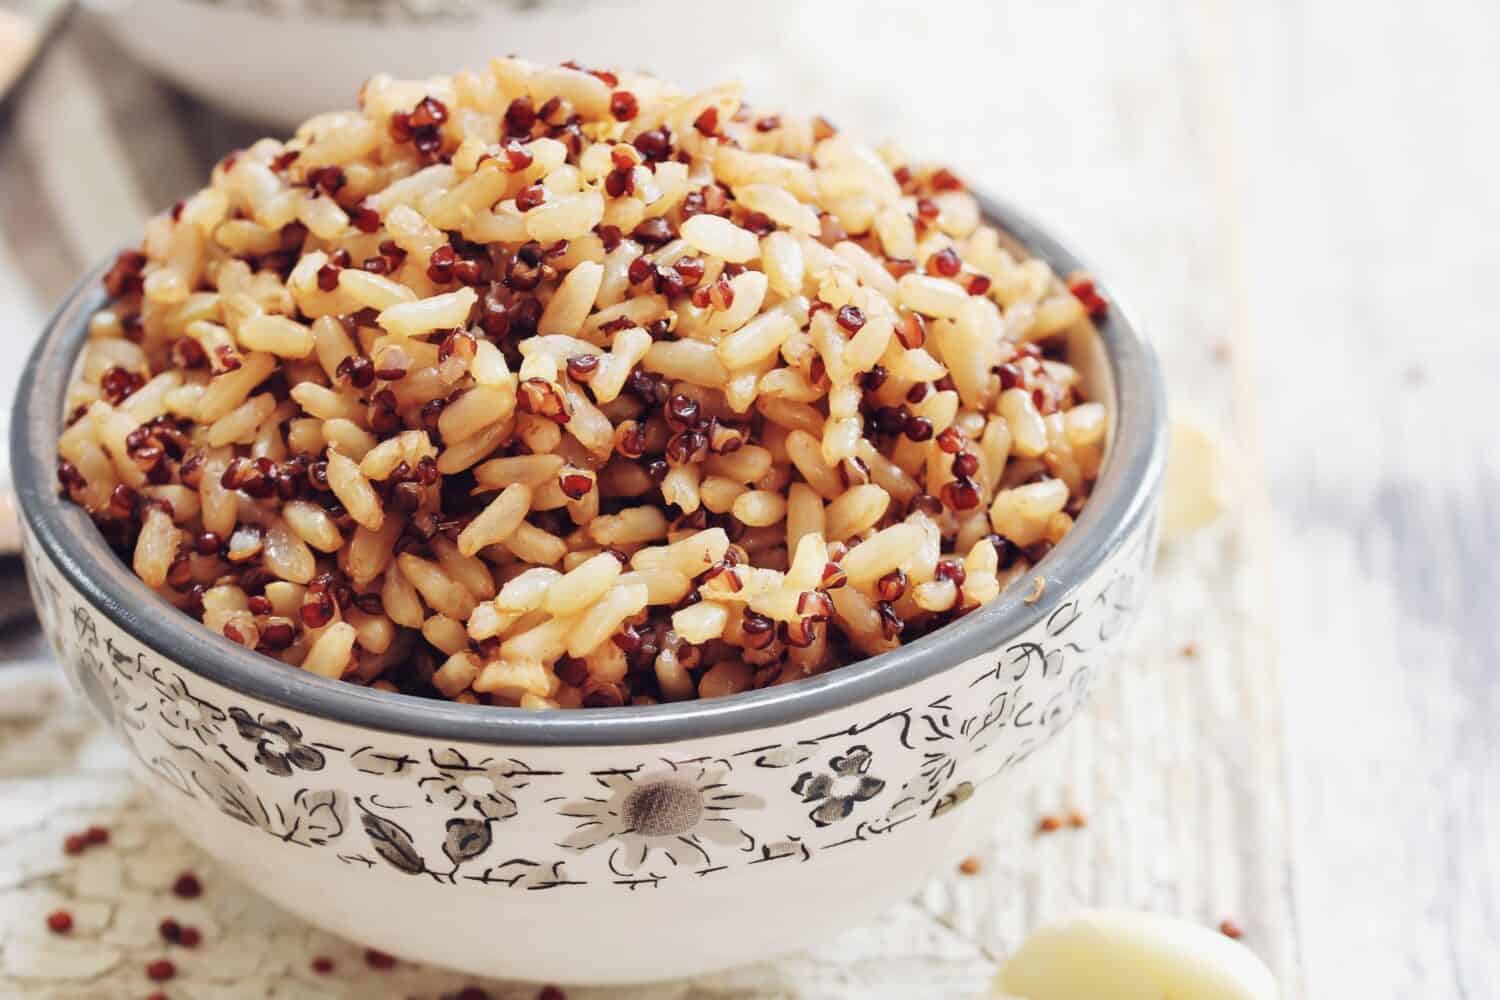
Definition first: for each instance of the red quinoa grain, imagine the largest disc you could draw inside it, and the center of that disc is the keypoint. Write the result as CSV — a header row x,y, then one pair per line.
x,y
187,886
851,318
623,105
943,179
379,959
944,263
1082,287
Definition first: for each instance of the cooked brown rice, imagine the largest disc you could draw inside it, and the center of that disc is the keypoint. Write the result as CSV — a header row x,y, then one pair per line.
x,y
554,387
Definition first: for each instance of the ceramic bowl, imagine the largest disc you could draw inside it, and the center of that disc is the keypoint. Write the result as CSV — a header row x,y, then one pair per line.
x,y
605,845
324,49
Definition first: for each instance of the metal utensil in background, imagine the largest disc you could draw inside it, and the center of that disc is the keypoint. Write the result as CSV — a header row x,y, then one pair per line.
x,y
25,28
15,598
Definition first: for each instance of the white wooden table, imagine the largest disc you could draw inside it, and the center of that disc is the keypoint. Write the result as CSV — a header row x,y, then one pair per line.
x,y
1298,201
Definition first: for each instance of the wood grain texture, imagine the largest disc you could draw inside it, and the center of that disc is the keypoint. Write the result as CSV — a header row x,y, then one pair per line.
x,y
1370,231
1297,201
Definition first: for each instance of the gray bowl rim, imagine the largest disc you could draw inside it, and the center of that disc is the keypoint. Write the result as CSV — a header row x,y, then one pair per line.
x,y
1122,498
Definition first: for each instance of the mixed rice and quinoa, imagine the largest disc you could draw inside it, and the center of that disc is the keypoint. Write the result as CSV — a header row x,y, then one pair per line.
x,y
553,387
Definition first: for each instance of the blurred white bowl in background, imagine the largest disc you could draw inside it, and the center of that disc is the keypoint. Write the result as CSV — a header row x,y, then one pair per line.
x,y
283,61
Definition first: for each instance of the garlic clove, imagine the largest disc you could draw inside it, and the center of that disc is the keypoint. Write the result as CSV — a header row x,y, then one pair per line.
x,y
1197,489
1131,955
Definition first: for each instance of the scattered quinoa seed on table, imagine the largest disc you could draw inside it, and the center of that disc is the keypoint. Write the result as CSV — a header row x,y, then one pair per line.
x,y
1073,820
546,387
93,836
379,959
187,886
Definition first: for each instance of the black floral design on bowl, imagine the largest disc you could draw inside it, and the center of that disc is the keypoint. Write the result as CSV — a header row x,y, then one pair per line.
x,y
682,813
487,787
837,790
182,711
279,747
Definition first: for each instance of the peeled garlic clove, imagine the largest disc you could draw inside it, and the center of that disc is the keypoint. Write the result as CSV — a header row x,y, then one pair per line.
x,y
1197,486
1129,955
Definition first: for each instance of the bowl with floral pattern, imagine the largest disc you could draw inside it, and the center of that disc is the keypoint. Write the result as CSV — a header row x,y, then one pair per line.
x,y
324,49
603,845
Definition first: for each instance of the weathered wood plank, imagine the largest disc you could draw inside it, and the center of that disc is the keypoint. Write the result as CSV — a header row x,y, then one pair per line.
x,y
1370,222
